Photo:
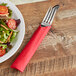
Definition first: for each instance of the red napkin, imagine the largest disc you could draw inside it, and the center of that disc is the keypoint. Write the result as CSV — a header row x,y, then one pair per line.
x,y
29,50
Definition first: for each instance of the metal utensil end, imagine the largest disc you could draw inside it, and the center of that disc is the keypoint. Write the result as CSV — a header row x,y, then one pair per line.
x,y
48,19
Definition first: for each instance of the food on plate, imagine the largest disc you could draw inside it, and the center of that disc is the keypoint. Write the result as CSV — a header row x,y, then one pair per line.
x,y
2,51
3,10
12,24
8,28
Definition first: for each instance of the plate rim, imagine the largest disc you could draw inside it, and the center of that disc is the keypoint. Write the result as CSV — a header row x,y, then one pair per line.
x,y
10,54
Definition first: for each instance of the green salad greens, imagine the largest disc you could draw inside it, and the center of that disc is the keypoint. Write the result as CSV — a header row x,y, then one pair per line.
x,y
4,34
3,4
8,28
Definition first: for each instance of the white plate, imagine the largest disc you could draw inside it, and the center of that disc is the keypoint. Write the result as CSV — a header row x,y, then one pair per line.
x,y
18,40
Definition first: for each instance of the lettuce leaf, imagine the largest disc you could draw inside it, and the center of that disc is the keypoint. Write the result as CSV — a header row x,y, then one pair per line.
x,y
4,46
10,13
3,4
13,36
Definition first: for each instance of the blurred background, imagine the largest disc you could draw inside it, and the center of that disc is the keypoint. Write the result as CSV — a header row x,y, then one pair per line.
x,y
17,2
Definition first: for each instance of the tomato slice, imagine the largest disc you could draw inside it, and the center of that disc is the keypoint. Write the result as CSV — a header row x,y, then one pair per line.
x,y
2,52
12,24
3,10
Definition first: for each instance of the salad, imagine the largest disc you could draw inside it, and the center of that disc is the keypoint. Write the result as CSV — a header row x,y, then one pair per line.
x,y
8,28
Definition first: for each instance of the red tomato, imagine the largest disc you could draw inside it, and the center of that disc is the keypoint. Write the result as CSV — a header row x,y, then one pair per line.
x,y
3,10
11,24
2,52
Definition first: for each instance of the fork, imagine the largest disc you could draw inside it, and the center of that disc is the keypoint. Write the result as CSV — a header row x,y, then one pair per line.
x,y
29,50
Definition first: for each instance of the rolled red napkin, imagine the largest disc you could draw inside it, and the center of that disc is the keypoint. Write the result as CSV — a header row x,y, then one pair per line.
x,y
29,50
